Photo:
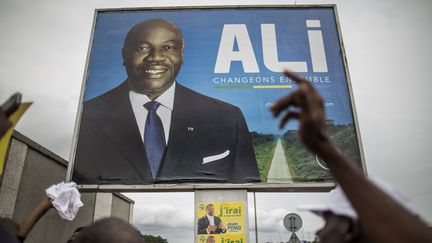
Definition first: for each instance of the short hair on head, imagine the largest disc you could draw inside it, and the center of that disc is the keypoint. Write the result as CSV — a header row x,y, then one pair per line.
x,y
208,205
75,234
79,229
7,235
149,22
109,230
9,223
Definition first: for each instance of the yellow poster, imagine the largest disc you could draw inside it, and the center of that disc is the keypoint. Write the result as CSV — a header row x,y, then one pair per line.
x,y
4,141
221,222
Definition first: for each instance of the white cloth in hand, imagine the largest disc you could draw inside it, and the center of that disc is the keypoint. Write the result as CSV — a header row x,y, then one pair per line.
x,y
66,199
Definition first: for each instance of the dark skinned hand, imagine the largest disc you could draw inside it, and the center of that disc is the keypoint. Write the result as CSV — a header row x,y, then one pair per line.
x,y
395,224
310,113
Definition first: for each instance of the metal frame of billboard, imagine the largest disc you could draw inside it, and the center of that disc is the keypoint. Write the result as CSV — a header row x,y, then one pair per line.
x,y
189,187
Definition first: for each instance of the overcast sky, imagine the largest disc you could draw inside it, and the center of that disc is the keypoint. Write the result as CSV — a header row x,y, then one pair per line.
x,y
43,52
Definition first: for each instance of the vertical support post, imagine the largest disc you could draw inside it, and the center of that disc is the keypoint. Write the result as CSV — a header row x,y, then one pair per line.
x,y
103,204
256,218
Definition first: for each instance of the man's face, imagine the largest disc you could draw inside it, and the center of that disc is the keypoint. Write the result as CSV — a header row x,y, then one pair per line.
x,y
336,229
153,55
210,210
211,239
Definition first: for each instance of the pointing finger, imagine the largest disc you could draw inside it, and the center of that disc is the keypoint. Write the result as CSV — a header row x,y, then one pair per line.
x,y
295,77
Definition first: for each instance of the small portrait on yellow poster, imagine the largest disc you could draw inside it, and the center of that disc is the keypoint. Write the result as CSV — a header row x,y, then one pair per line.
x,y
209,223
224,221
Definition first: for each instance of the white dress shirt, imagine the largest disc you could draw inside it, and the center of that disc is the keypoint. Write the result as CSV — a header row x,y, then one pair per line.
x,y
164,111
211,221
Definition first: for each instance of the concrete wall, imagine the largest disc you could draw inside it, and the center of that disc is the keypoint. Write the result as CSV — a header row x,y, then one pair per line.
x,y
29,170
121,207
11,177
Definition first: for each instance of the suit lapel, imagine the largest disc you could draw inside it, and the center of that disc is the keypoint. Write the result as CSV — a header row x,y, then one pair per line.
x,y
177,122
180,139
207,220
121,128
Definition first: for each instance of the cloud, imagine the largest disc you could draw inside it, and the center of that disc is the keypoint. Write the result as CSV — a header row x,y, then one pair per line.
x,y
50,121
163,216
169,215
271,221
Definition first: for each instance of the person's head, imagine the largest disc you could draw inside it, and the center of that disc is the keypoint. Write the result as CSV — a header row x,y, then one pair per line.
x,y
342,223
9,223
211,239
210,209
340,229
75,234
7,235
153,55
109,230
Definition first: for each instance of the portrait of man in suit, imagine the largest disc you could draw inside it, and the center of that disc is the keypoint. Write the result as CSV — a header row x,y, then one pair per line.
x,y
151,129
210,223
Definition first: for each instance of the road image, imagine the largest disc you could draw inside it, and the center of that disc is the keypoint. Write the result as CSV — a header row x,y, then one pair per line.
x,y
279,171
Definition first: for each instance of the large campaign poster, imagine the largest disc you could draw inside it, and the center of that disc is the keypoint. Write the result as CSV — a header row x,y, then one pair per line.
x,y
226,66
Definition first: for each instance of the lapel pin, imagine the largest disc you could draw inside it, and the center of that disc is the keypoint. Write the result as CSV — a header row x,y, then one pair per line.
x,y
190,129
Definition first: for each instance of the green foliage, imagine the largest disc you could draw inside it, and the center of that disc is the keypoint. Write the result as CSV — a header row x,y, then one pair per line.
x,y
264,146
303,164
346,139
260,138
154,239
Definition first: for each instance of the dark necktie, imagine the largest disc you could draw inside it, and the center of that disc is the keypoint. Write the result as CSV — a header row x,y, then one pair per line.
x,y
154,137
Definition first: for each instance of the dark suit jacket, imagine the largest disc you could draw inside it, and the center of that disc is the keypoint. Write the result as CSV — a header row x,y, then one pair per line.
x,y
110,149
204,222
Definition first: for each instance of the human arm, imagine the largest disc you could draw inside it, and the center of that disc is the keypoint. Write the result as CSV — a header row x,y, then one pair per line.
x,y
383,219
221,228
27,224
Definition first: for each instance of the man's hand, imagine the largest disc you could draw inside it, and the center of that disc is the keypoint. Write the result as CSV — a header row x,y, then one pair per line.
x,y
221,227
46,203
211,228
311,114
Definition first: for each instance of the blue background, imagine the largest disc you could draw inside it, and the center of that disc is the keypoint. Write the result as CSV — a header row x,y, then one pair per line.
x,y
202,29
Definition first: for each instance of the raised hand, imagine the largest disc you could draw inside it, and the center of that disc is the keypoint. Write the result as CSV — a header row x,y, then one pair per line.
x,y
310,113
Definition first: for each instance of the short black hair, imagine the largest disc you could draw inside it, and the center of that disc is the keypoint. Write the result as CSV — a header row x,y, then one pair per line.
x,y
110,230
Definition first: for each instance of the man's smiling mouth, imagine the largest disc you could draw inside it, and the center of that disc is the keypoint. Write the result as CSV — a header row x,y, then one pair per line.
x,y
155,71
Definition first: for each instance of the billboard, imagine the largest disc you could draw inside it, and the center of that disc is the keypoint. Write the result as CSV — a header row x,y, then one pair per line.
x,y
209,76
